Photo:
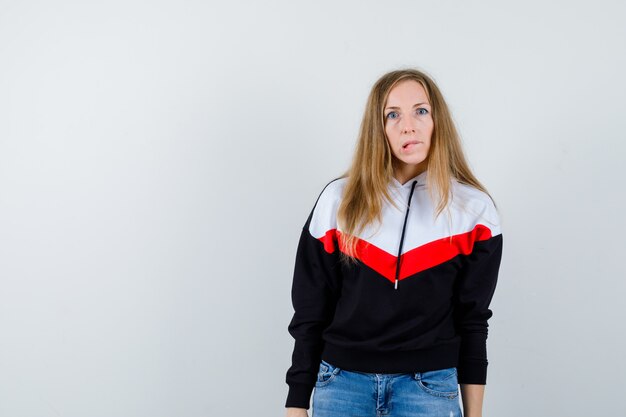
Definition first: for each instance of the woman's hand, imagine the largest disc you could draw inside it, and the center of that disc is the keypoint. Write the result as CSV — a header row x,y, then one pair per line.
x,y
296,412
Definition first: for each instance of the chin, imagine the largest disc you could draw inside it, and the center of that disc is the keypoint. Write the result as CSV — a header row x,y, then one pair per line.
x,y
413,160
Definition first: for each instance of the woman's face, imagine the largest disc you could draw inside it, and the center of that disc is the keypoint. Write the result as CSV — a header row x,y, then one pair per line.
x,y
408,123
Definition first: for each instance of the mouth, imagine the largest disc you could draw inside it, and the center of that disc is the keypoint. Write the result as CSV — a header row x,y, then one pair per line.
x,y
409,143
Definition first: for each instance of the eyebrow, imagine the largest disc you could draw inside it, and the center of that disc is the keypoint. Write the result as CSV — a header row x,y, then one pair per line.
x,y
415,105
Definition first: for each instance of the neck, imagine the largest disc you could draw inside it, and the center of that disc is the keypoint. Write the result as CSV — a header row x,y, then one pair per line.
x,y
405,172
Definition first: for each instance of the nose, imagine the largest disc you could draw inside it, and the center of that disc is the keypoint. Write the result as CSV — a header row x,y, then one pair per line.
x,y
408,126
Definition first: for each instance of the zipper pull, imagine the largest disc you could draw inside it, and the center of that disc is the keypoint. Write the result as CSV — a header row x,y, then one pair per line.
x,y
395,287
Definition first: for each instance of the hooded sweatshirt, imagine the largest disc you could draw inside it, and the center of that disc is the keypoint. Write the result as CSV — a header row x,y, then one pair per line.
x,y
417,299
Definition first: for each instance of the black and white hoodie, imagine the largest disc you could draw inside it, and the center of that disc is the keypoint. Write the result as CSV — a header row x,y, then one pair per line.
x,y
417,300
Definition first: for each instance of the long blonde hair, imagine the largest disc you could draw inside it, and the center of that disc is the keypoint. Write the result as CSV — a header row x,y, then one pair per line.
x,y
371,169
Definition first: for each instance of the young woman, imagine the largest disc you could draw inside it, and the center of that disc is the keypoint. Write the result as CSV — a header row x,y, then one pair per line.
x,y
395,269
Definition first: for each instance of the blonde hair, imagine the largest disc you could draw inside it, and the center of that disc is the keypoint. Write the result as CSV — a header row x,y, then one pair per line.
x,y
371,169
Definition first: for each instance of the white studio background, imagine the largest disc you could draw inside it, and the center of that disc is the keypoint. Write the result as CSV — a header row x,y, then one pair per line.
x,y
158,160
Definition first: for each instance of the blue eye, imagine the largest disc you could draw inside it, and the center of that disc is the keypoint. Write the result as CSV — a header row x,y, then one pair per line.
x,y
390,114
421,108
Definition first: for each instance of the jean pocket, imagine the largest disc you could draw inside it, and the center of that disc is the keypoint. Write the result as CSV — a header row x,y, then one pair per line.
x,y
440,383
326,374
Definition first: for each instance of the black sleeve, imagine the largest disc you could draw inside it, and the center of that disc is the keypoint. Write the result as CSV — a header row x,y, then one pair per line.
x,y
473,293
315,289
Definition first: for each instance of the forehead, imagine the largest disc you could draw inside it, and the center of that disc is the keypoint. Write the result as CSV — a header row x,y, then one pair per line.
x,y
407,92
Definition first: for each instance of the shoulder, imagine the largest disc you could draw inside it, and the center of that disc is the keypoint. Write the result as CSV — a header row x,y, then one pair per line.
x,y
477,204
332,191
469,193
323,216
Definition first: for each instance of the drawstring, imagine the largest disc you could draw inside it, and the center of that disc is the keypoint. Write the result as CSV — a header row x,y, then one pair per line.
x,y
406,216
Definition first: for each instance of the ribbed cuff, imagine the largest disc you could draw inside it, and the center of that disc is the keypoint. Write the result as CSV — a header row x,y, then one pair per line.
x,y
299,396
472,373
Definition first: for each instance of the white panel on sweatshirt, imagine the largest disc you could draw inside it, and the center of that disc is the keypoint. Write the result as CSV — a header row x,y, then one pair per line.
x,y
468,208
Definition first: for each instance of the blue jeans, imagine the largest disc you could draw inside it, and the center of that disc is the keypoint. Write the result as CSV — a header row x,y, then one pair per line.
x,y
342,393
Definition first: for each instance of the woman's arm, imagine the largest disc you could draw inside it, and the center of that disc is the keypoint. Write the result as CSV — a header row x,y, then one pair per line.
x,y
315,289
472,395
475,287
474,290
